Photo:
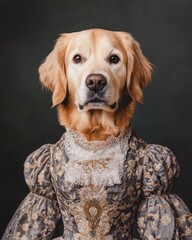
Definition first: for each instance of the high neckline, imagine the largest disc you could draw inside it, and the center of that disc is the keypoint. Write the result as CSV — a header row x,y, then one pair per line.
x,y
82,141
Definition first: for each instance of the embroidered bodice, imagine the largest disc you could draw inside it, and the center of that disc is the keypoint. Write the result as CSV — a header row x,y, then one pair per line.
x,y
98,189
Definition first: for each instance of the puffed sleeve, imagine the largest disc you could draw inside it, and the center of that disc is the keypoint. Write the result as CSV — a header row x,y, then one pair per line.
x,y
38,214
162,215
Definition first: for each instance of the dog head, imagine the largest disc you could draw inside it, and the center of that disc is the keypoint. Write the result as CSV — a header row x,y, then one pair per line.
x,y
93,70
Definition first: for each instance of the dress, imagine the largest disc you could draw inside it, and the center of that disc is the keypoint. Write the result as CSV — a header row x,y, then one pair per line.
x,y
99,189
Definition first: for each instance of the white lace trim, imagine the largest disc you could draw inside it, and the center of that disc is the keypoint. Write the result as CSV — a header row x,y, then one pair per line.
x,y
95,162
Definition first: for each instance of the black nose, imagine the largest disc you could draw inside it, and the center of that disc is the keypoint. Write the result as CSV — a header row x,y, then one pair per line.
x,y
96,82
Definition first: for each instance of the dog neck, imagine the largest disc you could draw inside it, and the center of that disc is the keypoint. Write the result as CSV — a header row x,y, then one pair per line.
x,y
96,124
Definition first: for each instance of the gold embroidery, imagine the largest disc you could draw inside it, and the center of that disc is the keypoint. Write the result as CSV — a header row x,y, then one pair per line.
x,y
92,212
94,165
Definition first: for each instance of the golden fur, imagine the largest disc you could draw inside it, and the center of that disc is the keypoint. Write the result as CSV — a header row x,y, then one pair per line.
x,y
126,80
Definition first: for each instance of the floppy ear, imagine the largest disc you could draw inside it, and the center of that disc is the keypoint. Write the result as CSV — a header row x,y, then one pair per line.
x,y
138,67
141,73
52,72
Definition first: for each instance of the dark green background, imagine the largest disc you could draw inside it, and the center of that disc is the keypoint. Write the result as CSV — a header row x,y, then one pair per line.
x,y
27,33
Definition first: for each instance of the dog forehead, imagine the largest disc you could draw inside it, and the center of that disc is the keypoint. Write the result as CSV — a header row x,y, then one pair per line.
x,y
95,39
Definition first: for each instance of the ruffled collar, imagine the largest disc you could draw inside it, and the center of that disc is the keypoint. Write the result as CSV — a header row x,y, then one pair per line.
x,y
82,141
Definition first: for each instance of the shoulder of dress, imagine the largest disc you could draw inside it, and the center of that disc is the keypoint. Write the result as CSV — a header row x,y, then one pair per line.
x,y
160,168
39,156
136,143
157,155
37,171
147,150
160,152
59,144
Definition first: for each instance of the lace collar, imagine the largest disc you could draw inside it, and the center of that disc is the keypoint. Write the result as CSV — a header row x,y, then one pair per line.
x,y
95,162
82,141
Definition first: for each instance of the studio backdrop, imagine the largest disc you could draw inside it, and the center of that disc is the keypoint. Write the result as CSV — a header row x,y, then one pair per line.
x,y
28,30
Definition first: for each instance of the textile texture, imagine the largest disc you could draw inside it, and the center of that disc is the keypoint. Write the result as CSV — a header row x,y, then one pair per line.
x,y
99,189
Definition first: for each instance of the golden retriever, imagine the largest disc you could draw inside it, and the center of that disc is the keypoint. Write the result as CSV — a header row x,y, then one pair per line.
x,y
96,77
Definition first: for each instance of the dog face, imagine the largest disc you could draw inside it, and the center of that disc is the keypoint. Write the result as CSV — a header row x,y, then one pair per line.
x,y
95,69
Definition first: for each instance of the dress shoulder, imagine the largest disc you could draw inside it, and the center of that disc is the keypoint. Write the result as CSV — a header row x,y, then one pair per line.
x,y
37,171
159,170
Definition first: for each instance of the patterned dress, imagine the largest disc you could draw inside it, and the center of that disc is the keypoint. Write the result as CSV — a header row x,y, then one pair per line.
x,y
99,189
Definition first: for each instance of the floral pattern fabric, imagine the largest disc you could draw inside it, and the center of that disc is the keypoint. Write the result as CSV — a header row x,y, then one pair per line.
x,y
98,189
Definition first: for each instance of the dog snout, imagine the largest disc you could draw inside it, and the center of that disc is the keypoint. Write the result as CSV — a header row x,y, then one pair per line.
x,y
95,82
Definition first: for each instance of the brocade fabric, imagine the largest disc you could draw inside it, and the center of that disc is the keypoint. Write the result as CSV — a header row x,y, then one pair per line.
x,y
99,189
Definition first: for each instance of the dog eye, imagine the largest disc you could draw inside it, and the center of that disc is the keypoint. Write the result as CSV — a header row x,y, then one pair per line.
x,y
114,59
77,58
